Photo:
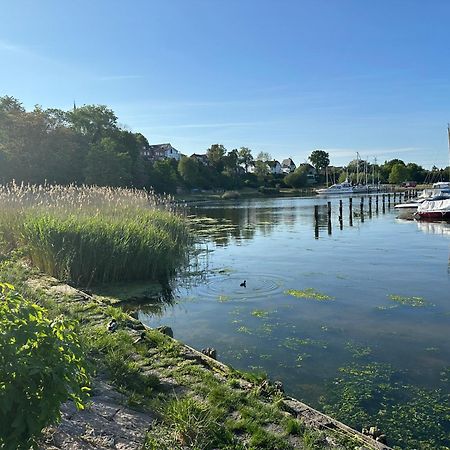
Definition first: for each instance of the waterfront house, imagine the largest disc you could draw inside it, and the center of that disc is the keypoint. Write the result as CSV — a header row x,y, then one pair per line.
x,y
311,173
288,166
274,167
159,152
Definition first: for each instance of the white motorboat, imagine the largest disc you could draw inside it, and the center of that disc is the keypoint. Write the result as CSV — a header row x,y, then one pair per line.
x,y
343,188
436,209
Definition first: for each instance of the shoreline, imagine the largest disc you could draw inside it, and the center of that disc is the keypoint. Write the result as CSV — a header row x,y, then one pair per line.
x,y
174,378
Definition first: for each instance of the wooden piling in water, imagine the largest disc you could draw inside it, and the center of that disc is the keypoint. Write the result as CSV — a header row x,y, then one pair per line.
x,y
340,209
350,211
361,209
389,200
316,221
370,205
329,210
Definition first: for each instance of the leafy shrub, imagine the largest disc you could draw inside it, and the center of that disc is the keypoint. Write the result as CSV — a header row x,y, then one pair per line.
x,y
41,366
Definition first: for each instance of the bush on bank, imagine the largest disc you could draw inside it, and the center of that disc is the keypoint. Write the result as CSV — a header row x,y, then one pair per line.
x,y
41,366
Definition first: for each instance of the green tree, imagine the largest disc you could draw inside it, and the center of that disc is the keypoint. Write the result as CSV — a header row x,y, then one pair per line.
x,y
107,164
416,172
163,176
261,169
398,174
245,157
37,146
93,121
298,178
230,162
41,366
189,170
320,159
215,155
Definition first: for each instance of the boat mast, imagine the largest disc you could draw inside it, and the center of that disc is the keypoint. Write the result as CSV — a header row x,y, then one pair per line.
x,y
365,169
373,172
448,132
357,168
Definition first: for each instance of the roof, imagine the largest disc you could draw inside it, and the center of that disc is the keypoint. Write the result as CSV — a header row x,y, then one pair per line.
x,y
288,162
161,147
273,163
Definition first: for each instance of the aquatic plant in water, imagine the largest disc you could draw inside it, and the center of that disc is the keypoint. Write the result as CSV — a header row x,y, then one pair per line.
x,y
295,343
260,313
377,394
409,301
358,351
309,293
244,330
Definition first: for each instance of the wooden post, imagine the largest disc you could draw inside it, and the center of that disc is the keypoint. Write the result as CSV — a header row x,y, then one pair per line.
x,y
340,209
329,210
394,196
384,203
376,203
361,207
370,205
316,221
389,200
350,211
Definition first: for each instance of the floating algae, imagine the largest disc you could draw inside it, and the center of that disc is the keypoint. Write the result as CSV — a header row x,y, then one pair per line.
x,y
294,343
224,298
244,330
260,313
409,301
386,308
300,358
309,293
378,393
358,351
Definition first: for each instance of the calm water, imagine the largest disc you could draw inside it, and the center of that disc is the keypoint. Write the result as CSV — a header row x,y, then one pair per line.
x,y
271,243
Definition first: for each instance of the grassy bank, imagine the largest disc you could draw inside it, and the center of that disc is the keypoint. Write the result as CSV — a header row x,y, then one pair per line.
x,y
196,402
89,234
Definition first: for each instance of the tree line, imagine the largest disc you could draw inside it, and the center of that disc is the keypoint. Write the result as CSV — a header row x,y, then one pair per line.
x,y
86,145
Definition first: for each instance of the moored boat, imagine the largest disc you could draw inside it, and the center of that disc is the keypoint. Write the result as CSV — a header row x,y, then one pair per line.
x,y
436,209
343,188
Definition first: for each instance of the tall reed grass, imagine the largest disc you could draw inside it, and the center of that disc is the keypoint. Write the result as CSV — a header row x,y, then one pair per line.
x,y
92,234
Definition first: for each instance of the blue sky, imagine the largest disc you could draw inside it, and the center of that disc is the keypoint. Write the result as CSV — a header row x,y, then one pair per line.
x,y
282,76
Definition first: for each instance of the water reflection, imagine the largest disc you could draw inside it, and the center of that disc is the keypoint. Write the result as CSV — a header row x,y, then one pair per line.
x,y
440,228
235,222
304,341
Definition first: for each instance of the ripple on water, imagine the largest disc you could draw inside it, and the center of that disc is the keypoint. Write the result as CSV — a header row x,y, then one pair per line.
x,y
228,286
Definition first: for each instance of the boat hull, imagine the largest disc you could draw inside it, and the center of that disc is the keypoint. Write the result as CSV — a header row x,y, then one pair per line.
x,y
434,215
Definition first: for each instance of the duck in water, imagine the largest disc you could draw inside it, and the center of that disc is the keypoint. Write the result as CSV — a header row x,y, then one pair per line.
x,y
243,284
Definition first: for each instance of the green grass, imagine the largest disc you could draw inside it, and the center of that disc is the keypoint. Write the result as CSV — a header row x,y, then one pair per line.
x,y
91,235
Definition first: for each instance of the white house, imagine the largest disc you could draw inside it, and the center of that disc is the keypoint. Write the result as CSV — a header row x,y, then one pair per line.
x,y
275,167
161,151
288,166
